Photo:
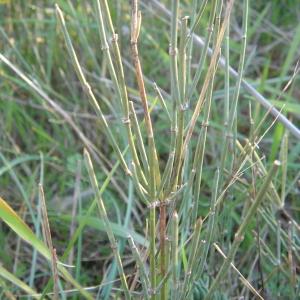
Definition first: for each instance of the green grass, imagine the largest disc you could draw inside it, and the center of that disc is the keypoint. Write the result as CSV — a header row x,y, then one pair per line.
x,y
177,195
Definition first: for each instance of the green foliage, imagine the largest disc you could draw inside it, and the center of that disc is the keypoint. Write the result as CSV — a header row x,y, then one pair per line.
x,y
143,217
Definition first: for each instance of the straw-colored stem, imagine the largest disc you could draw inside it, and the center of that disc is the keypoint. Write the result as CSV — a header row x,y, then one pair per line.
x,y
242,278
104,217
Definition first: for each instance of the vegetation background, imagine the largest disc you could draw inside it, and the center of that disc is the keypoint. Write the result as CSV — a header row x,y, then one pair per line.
x,y
46,121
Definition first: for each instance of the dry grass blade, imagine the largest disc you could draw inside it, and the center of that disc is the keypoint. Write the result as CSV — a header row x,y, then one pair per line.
x,y
243,279
48,240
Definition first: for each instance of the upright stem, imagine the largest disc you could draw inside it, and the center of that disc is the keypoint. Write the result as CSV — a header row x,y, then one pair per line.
x,y
174,254
104,217
154,179
173,53
87,89
284,160
232,113
205,49
209,75
152,252
162,227
118,80
200,148
183,106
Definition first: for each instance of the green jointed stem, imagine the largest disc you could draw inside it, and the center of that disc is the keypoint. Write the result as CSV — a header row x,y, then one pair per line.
x,y
87,89
246,152
84,221
211,225
152,154
173,54
232,113
119,83
200,148
106,52
163,246
166,175
191,270
209,75
196,18
162,101
139,188
126,108
175,92
152,252
108,17
139,138
182,58
284,160
181,108
174,254
154,178
210,29
103,215
227,79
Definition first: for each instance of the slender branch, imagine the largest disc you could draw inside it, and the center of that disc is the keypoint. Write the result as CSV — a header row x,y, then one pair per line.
x,y
104,217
